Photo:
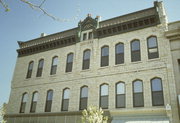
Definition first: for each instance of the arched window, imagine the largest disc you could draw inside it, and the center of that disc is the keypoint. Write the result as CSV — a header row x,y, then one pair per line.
x,y
40,68
69,62
152,47
54,65
30,68
34,102
135,51
120,95
157,92
119,53
138,99
65,99
49,98
86,59
104,96
104,56
83,98
23,102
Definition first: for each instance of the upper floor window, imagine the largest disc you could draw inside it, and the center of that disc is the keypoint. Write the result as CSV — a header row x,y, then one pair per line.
x,y
86,59
54,65
34,102
84,36
23,102
157,92
69,62
30,68
83,98
40,68
65,99
119,53
152,47
49,101
138,99
104,94
120,95
104,56
90,35
135,51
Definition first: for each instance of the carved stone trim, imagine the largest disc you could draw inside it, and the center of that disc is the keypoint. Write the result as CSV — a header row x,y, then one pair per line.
x,y
47,46
128,26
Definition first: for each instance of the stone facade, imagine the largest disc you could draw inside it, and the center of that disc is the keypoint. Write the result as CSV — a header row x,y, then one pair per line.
x,y
145,70
173,34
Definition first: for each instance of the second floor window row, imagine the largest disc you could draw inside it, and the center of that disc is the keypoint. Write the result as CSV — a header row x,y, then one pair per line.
x,y
152,47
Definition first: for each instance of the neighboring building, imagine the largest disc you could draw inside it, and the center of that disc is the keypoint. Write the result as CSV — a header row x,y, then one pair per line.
x,y
123,65
173,34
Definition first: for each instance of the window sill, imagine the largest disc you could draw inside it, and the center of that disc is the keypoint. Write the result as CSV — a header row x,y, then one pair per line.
x,y
85,70
117,65
39,77
154,59
66,73
54,75
136,62
104,67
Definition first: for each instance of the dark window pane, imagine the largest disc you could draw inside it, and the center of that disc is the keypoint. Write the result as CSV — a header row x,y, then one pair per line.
x,y
157,98
30,68
34,102
138,100
69,67
119,53
83,103
69,63
153,55
152,48
54,65
53,69
104,61
84,36
49,101
120,101
48,106
135,56
120,58
33,107
135,51
86,59
90,35
104,102
40,68
86,64
157,92
23,106
65,104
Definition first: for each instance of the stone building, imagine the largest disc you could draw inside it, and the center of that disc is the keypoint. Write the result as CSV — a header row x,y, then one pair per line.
x,y
123,64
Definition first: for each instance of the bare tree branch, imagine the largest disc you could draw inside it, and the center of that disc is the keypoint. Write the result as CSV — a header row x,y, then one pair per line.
x,y
39,8
4,5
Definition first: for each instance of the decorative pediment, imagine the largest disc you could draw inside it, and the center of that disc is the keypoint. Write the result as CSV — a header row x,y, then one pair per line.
x,y
88,23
